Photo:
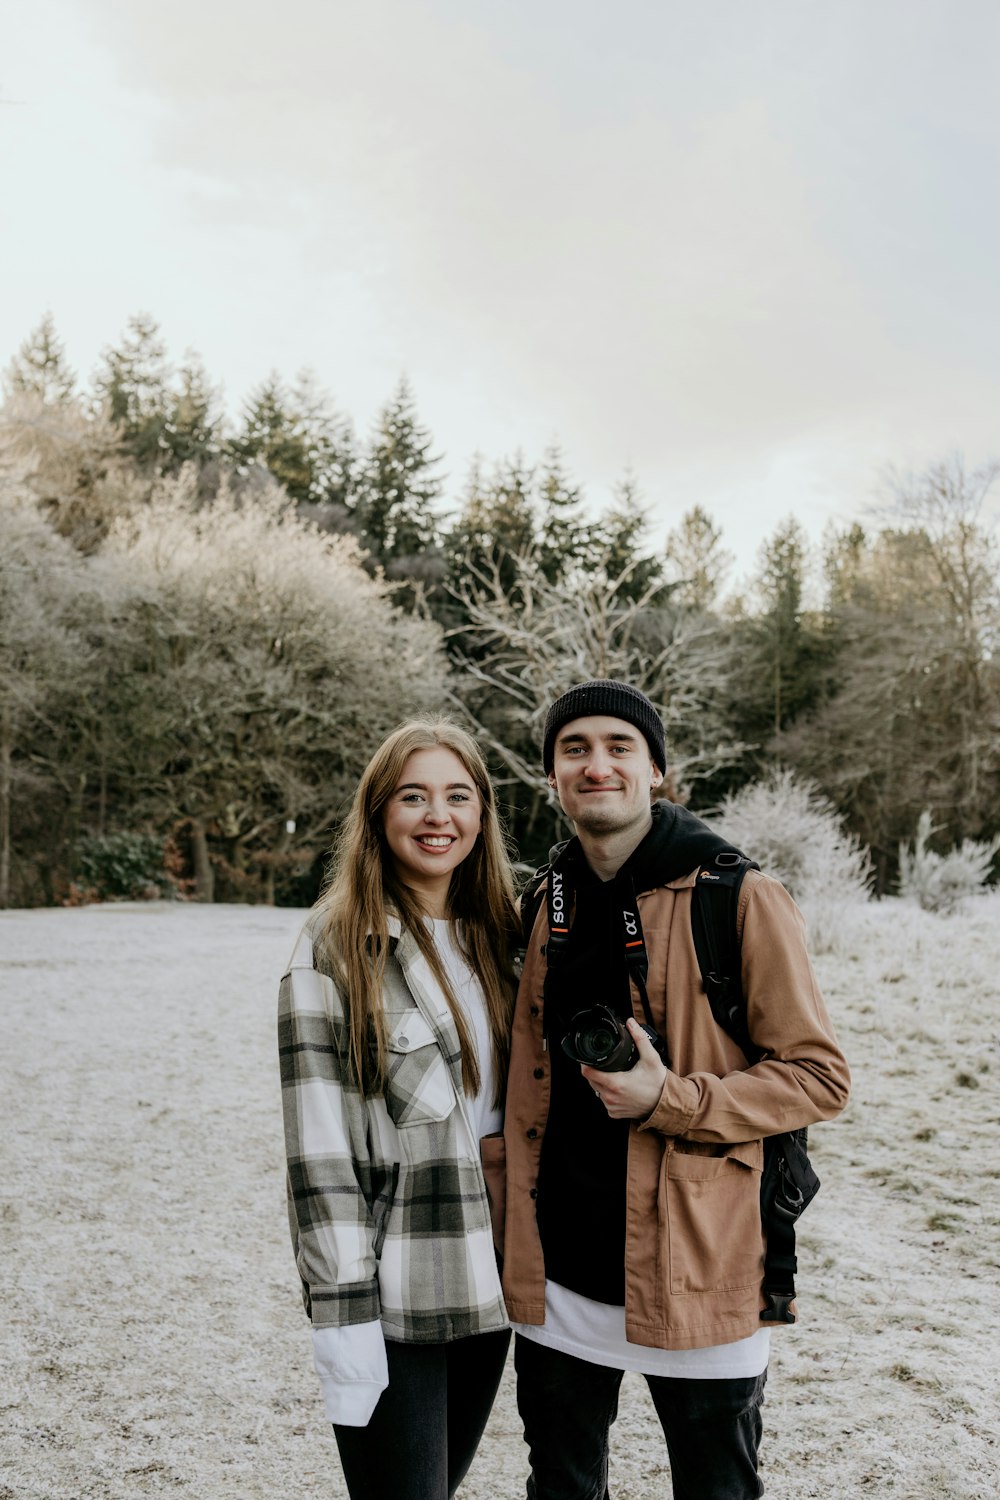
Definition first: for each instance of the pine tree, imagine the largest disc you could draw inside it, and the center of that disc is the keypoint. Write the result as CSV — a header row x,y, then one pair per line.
x,y
133,385
844,566
618,552
562,543
190,433
787,652
510,512
270,435
697,560
398,486
39,367
329,444
496,524
301,440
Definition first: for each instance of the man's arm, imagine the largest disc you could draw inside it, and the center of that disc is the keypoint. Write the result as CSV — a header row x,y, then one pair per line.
x,y
802,1077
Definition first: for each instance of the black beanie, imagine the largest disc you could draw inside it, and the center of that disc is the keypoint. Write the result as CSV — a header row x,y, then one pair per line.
x,y
616,700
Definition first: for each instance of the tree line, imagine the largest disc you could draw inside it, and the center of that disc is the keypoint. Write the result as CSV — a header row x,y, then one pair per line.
x,y
207,625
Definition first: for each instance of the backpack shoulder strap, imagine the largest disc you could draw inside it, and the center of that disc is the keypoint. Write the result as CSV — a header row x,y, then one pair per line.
x,y
714,905
788,1183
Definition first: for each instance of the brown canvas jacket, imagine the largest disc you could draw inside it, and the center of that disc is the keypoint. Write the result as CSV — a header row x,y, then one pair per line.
x,y
694,1254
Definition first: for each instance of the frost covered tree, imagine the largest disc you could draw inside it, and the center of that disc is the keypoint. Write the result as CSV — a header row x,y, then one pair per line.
x,y
796,834
521,647
264,665
941,881
39,368
44,666
70,460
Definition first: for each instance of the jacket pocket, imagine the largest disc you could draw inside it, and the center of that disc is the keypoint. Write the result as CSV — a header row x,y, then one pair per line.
x,y
709,1205
493,1151
418,1089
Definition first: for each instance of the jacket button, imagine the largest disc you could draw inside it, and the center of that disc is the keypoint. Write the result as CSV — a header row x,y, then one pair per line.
x,y
539,1072
533,1010
533,1193
532,1133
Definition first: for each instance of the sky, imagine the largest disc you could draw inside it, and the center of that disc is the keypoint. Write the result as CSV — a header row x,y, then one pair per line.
x,y
745,251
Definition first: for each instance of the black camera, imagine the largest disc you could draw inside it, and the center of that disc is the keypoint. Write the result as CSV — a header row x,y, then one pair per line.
x,y
598,1037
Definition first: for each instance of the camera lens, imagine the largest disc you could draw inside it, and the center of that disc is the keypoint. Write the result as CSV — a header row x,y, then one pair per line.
x,y
597,1044
598,1038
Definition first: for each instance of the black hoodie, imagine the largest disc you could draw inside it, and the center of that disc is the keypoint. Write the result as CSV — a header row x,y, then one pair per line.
x,y
581,1184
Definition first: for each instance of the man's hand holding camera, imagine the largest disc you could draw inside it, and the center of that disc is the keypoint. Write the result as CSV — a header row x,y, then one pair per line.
x,y
634,1093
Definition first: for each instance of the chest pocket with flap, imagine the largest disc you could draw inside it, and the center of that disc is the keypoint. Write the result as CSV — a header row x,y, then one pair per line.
x,y
418,1086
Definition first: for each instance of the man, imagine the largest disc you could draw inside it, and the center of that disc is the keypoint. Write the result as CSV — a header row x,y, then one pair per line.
x,y
633,1231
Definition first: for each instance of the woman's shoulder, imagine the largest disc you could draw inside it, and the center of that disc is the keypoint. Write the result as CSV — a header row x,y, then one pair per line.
x,y
311,950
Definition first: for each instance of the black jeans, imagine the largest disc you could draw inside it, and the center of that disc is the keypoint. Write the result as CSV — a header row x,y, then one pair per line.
x,y
567,1405
425,1430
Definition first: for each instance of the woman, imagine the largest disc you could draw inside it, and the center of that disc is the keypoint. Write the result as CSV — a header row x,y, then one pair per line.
x,y
393,1032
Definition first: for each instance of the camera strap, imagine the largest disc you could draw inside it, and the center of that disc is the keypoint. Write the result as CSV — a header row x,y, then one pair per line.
x,y
636,958
559,899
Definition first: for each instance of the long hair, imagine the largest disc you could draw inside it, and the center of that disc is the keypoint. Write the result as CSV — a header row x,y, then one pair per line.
x,y
364,888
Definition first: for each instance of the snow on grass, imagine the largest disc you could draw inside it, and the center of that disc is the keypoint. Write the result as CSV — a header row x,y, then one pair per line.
x,y
153,1341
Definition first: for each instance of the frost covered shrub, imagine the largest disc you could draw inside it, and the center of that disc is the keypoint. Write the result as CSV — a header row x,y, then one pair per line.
x,y
938,882
795,834
120,864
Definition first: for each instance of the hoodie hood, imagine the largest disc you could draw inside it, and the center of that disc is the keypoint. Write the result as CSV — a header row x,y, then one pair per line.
x,y
677,843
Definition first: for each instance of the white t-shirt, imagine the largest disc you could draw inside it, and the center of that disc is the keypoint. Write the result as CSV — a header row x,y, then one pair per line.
x,y
594,1331
485,1117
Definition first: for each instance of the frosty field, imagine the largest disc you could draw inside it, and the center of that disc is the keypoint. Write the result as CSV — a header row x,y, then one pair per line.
x,y
153,1341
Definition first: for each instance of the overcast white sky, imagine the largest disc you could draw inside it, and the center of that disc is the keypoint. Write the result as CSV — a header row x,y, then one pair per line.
x,y
748,248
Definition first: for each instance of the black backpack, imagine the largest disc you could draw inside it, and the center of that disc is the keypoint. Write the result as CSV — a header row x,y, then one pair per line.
x,y
788,1184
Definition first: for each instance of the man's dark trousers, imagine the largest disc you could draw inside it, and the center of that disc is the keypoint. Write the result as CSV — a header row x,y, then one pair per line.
x,y
567,1405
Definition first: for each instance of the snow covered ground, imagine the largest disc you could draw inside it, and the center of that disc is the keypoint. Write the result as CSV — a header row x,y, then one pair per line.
x,y
153,1341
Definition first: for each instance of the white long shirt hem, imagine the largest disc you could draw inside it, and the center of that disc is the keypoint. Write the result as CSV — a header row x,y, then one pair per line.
x,y
352,1369
595,1331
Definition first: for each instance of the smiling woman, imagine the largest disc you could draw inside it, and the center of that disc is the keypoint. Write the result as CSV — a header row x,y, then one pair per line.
x,y
432,821
394,1026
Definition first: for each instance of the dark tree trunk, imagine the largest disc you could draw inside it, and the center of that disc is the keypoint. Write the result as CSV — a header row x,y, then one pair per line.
x,y
6,756
204,874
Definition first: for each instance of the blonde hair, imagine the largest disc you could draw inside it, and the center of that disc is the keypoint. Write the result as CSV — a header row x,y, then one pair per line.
x,y
365,887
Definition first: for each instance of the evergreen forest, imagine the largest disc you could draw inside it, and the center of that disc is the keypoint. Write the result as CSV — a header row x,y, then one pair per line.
x,y
207,624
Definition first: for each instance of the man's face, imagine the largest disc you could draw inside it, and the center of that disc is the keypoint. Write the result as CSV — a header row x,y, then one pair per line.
x,y
603,774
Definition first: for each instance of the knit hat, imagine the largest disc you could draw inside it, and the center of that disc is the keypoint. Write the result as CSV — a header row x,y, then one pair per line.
x,y
616,700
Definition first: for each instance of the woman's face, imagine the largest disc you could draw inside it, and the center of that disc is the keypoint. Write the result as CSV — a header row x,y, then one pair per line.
x,y
431,821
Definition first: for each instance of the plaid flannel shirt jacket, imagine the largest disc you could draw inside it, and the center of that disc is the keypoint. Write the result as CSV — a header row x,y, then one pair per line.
x,y
387,1201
